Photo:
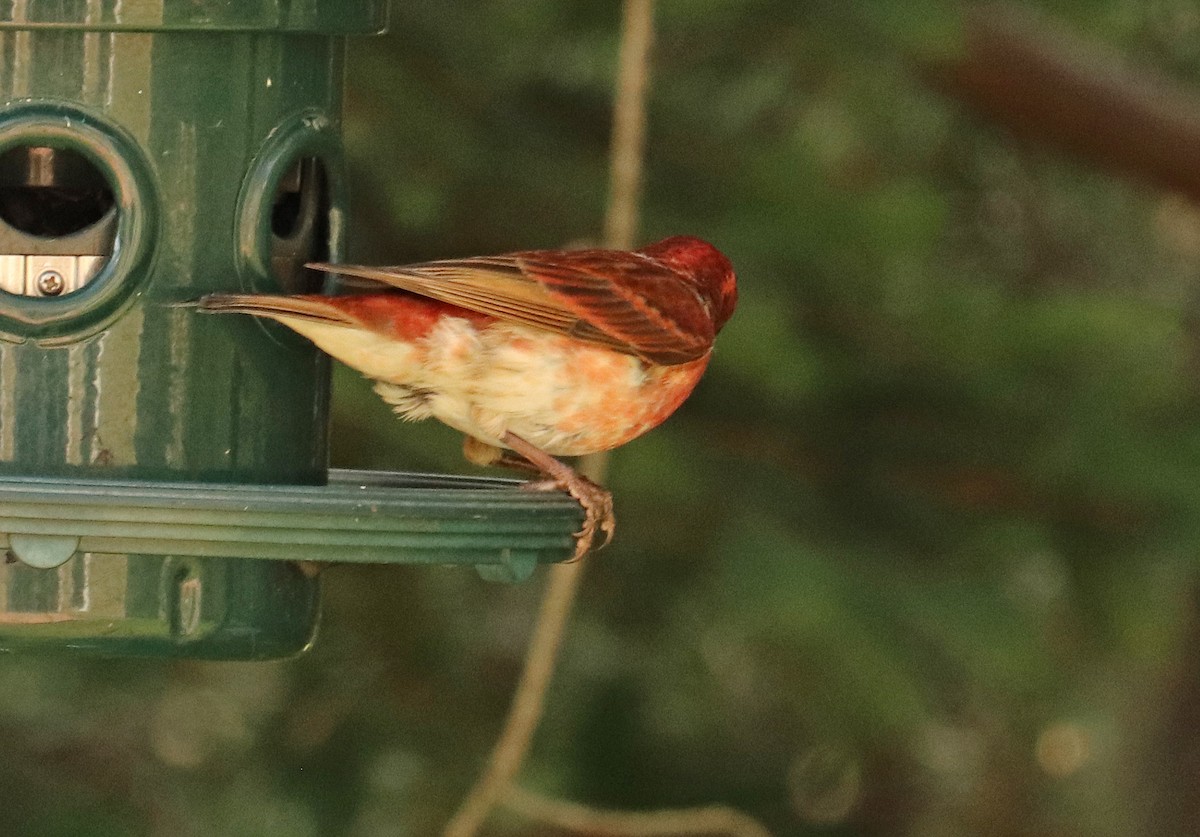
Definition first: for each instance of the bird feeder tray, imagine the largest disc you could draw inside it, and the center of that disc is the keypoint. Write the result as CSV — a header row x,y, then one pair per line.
x,y
140,567
359,517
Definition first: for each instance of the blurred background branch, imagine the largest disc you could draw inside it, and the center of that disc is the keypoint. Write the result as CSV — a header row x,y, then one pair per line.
x,y
572,817
1044,83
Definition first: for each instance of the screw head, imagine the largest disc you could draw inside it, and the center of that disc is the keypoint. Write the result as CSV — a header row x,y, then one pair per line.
x,y
50,283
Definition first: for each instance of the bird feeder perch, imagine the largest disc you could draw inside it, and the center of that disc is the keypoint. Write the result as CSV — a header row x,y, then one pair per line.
x,y
163,474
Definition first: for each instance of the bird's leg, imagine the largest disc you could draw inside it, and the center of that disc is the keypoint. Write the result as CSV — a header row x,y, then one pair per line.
x,y
596,501
481,453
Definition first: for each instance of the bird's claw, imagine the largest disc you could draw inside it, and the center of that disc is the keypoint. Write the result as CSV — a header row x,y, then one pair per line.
x,y
597,504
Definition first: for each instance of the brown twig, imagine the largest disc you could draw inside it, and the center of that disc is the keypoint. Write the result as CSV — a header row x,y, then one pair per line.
x,y
508,753
510,749
629,125
710,819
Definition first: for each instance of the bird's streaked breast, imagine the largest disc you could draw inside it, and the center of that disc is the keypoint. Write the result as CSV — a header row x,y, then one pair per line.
x,y
484,377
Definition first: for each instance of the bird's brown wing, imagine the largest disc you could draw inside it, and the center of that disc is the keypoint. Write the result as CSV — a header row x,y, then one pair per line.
x,y
623,301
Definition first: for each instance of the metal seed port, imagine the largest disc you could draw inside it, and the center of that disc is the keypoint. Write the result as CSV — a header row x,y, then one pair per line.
x,y
57,221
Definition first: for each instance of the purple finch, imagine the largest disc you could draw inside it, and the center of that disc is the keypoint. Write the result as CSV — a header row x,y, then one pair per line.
x,y
533,354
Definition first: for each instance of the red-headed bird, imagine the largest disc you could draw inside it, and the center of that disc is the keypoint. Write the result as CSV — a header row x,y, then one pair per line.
x,y
533,354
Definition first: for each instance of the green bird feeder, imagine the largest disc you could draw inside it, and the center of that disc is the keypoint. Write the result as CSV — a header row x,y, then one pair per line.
x,y
163,475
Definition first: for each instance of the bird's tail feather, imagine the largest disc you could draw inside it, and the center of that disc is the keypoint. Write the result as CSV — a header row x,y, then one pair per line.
x,y
315,308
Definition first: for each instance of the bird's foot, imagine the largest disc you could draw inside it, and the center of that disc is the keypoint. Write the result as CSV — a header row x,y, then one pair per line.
x,y
597,504
596,501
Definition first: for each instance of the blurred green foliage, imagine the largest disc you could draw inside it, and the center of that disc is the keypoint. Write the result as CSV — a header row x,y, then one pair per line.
x,y
917,558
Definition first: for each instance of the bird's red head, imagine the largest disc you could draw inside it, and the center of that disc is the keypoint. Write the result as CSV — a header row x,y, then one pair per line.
x,y
708,267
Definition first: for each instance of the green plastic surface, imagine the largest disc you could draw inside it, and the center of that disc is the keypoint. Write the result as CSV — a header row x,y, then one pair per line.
x,y
118,381
360,517
133,567
329,17
162,472
162,606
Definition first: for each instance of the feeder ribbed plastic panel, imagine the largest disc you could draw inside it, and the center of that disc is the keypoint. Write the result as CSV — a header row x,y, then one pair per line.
x,y
151,153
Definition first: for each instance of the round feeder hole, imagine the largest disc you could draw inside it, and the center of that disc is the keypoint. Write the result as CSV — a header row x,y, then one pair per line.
x,y
79,220
291,209
57,221
300,225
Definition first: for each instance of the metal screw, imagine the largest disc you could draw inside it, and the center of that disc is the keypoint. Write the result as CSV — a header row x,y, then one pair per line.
x,y
50,283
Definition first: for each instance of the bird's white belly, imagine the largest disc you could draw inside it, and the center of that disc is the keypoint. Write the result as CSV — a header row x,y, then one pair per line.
x,y
561,395
540,386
